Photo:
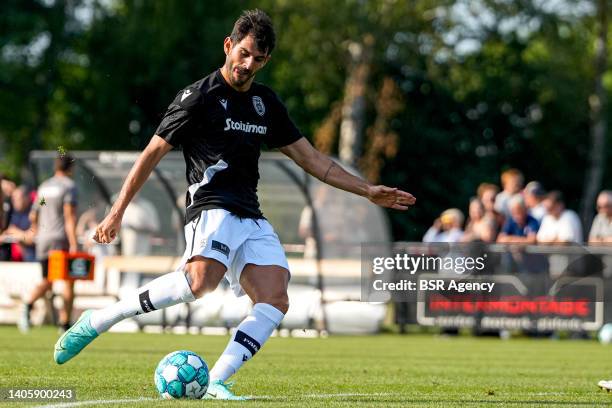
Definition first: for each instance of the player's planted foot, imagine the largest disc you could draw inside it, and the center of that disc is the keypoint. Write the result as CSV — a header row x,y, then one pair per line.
x,y
75,339
219,390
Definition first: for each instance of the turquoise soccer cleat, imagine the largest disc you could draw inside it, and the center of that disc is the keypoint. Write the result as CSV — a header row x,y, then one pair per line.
x,y
218,390
75,339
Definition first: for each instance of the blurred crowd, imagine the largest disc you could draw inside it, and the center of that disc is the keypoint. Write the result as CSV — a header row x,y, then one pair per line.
x,y
519,213
514,213
18,238
16,234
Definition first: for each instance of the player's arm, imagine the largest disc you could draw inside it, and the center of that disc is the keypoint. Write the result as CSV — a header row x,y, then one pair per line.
x,y
325,169
70,226
146,162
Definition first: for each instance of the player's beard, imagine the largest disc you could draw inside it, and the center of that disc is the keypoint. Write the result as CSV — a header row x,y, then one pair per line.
x,y
239,76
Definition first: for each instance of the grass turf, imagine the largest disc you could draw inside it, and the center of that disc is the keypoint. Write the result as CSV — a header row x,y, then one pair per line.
x,y
385,370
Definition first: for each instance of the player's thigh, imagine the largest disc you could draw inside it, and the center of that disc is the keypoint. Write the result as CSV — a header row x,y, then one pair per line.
x,y
266,284
204,274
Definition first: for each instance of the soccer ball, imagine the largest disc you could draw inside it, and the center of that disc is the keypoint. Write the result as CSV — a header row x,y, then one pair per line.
x,y
605,334
182,374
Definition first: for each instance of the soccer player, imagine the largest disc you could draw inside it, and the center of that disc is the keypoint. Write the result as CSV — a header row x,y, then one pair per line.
x,y
221,121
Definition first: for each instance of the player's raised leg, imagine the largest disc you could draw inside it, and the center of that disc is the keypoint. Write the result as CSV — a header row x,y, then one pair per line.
x,y
201,275
267,288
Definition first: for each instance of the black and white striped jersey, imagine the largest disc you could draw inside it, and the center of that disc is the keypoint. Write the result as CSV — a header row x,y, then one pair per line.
x,y
221,131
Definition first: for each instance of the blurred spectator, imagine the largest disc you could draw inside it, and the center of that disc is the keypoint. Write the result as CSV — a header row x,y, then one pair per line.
x,y
86,227
2,219
601,230
534,195
512,183
306,231
7,187
520,227
54,222
5,249
18,230
86,224
140,223
480,225
560,225
447,228
487,193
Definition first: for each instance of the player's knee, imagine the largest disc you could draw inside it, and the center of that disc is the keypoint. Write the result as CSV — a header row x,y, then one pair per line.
x,y
279,301
198,284
201,280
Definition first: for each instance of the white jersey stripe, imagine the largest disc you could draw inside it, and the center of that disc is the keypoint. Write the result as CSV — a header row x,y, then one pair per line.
x,y
208,175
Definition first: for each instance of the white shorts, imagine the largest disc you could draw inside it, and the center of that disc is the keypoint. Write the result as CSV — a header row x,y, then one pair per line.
x,y
233,241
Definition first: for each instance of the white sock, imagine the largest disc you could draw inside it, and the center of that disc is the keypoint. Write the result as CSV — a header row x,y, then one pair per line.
x,y
167,290
251,334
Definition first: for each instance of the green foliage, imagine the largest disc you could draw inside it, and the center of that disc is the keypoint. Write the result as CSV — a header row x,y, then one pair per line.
x,y
516,97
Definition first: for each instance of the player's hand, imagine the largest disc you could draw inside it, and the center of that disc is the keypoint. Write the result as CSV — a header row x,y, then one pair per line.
x,y
390,197
73,249
108,229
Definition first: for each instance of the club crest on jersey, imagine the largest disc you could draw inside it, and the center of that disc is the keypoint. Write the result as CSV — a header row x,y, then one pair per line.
x,y
259,106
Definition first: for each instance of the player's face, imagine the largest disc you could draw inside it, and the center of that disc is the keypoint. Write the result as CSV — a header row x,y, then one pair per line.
x,y
242,61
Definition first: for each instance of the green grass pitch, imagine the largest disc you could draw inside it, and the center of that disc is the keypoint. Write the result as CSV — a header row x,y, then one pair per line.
x,y
339,371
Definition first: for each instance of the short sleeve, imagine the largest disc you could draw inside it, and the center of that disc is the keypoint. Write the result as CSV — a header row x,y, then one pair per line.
x,y
507,228
532,226
283,131
179,117
70,196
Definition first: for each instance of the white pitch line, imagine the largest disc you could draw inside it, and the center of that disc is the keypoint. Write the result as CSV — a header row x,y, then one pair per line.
x,y
93,402
254,397
321,396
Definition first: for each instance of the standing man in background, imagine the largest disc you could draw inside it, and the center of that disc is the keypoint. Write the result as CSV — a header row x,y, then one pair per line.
x,y
54,223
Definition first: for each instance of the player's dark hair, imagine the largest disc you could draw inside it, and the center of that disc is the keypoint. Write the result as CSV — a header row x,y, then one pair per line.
x,y
64,163
259,25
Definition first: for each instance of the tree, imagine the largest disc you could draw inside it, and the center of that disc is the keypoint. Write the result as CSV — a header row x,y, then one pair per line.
x,y
599,124
37,45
